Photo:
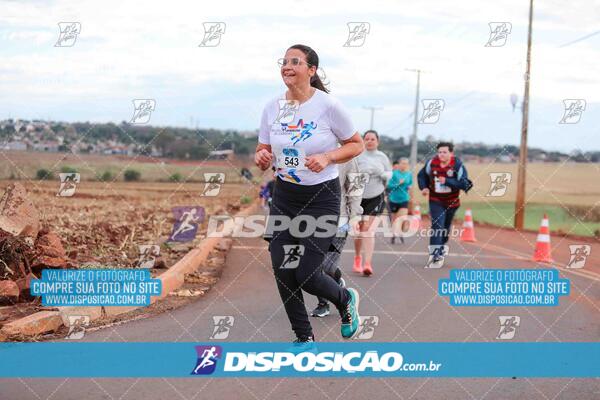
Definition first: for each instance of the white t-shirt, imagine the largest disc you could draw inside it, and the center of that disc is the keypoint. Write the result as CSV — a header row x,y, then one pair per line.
x,y
295,131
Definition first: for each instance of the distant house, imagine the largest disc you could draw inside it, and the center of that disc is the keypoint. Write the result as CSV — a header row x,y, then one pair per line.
x,y
119,150
155,152
220,154
51,147
540,157
471,158
15,145
249,134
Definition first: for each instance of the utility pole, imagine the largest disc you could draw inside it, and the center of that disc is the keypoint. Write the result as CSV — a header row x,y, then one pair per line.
x,y
413,138
372,115
520,202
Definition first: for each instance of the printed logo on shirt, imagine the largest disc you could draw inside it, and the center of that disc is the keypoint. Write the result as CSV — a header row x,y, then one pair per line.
x,y
290,176
299,132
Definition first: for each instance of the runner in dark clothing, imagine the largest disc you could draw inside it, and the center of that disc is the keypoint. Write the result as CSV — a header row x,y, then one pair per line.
x,y
442,178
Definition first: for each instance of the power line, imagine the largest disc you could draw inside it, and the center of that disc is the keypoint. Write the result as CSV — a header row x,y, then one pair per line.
x,y
373,109
580,39
408,117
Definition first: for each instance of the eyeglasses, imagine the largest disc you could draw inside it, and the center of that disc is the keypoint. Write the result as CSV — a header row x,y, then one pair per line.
x,y
293,61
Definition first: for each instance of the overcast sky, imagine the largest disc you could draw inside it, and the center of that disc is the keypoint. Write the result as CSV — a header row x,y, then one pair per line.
x,y
136,50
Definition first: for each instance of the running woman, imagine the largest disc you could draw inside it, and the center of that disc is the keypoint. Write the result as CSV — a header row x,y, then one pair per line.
x,y
379,169
299,133
399,196
349,209
442,178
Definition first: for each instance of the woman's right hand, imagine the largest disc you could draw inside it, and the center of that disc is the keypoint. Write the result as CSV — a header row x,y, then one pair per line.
x,y
263,158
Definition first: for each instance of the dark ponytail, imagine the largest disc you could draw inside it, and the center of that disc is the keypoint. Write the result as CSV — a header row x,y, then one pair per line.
x,y
312,59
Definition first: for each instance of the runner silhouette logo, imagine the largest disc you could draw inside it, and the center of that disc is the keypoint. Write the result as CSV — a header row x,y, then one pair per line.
x,y
186,223
499,32
367,327
207,359
499,182
579,254
574,109
68,184
292,254
222,326
508,326
287,111
358,181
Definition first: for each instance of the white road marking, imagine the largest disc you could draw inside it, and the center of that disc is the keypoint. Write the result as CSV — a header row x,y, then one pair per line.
x,y
579,272
517,256
407,253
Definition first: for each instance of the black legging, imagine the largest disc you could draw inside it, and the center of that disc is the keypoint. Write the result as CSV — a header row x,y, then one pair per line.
x,y
292,200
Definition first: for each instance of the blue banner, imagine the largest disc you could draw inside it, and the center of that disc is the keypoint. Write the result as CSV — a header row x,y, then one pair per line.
x,y
504,287
96,287
223,359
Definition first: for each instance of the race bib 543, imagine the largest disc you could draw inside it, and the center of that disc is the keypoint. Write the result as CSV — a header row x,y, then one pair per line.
x,y
291,157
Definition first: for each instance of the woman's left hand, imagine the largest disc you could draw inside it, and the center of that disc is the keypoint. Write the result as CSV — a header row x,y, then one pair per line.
x,y
317,162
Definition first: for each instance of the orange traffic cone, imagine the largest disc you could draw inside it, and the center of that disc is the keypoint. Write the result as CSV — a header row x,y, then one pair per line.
x,y
415,220
468,231
542,245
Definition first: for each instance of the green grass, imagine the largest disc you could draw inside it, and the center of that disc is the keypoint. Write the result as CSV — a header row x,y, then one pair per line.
x,y
502,214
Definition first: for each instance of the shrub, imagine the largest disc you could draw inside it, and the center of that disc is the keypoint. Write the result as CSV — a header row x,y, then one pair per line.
x,y
176,177
67,170
107,176
584,213
132,175
43,174
246,200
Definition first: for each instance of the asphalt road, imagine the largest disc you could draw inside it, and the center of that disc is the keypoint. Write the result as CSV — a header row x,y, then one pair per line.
x,y
402,294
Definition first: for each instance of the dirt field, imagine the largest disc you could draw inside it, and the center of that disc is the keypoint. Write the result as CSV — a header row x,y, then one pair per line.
x,y
23,165
104,223
565,191
547,183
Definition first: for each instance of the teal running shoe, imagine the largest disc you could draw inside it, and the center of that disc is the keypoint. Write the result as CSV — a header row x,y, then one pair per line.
x,y
350,317
304,344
